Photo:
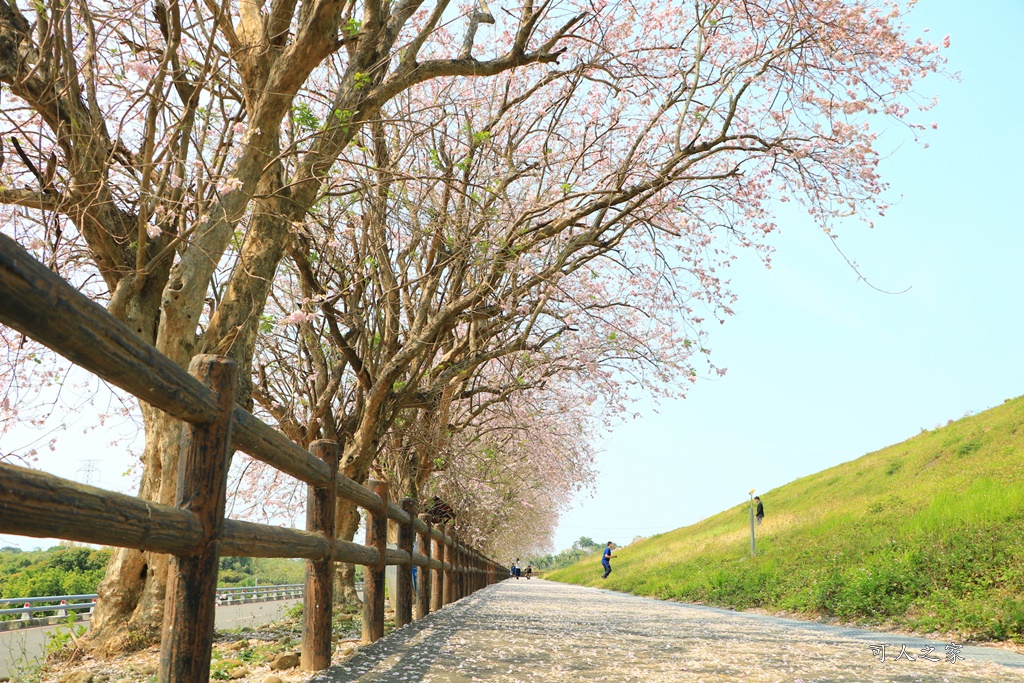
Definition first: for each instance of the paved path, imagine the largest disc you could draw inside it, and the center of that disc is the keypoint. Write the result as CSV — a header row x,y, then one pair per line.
x,y
541,631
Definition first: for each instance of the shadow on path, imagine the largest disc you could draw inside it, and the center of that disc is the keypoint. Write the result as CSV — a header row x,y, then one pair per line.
x,y
555,633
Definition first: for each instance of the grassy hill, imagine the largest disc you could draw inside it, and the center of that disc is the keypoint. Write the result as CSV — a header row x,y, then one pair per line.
x,y
927,535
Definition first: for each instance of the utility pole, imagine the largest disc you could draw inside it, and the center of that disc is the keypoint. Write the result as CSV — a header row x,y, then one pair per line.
x,y
753,550
87,472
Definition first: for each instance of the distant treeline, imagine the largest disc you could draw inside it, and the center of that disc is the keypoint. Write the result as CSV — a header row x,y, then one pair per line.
x,y
584,547
251,571
77,570
61,570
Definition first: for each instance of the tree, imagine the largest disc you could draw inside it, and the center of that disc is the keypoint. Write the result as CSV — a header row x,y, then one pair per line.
x,y
467,225
177,144
575,175
633,169
507,468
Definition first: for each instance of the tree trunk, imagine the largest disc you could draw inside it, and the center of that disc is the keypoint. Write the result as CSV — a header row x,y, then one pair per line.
x,y
130,607
347,519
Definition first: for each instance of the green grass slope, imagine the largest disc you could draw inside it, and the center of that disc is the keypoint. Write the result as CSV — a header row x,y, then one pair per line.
x,y
926,535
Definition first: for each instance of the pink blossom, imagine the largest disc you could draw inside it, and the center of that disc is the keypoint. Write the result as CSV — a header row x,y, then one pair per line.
x,y
230,185
296,317
142,69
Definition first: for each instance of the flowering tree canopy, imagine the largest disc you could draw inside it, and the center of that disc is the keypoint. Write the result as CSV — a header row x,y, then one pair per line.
x,y
414,212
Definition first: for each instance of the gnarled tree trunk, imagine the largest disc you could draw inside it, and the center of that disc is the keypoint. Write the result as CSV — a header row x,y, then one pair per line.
x,y
130,607
347,519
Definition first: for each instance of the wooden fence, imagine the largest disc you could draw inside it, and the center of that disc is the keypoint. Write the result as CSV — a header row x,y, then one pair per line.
x,y
41,305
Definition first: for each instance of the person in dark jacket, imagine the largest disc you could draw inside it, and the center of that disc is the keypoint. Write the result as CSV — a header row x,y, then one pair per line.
x,y
759,515
606,560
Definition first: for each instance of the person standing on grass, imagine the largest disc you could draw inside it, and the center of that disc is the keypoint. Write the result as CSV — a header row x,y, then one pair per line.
x,y
606,560
759,515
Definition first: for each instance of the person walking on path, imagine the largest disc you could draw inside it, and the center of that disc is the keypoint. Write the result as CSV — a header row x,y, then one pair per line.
x,y
606,560
759,515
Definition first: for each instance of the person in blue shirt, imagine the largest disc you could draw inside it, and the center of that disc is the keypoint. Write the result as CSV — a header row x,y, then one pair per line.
x,y
606,560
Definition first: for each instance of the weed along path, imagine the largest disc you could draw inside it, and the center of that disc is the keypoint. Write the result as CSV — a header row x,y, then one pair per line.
x,y
543,631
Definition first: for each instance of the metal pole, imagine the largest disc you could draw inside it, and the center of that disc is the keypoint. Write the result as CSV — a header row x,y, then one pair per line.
x,y
753,549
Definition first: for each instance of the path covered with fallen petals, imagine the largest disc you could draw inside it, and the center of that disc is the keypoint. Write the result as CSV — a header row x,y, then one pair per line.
x,y
542,631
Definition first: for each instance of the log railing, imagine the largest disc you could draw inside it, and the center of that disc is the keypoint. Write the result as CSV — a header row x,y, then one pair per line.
x,y
41,305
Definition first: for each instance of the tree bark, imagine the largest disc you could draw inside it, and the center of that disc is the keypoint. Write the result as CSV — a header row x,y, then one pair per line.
x,y
347,519
130,608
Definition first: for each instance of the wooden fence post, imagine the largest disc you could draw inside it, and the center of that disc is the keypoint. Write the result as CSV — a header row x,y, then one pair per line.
x,y
449,558
473,576
406,535
460,576
457,575
437,580
319,598
202,487
458,562
474,563
373,577
460,571
423,579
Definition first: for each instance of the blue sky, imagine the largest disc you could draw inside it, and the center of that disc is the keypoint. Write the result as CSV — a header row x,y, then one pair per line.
x,y
823,369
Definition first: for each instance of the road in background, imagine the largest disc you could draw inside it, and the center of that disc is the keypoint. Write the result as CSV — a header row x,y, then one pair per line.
x,y
23,647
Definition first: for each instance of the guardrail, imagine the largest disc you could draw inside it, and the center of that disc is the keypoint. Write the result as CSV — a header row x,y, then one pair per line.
x,y
226,596
60,605
41,305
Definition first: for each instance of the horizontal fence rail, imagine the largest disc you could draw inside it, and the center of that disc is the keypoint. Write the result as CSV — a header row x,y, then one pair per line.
x,y
38,303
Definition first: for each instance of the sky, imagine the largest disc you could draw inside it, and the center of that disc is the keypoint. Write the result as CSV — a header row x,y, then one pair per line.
x,y
821,367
